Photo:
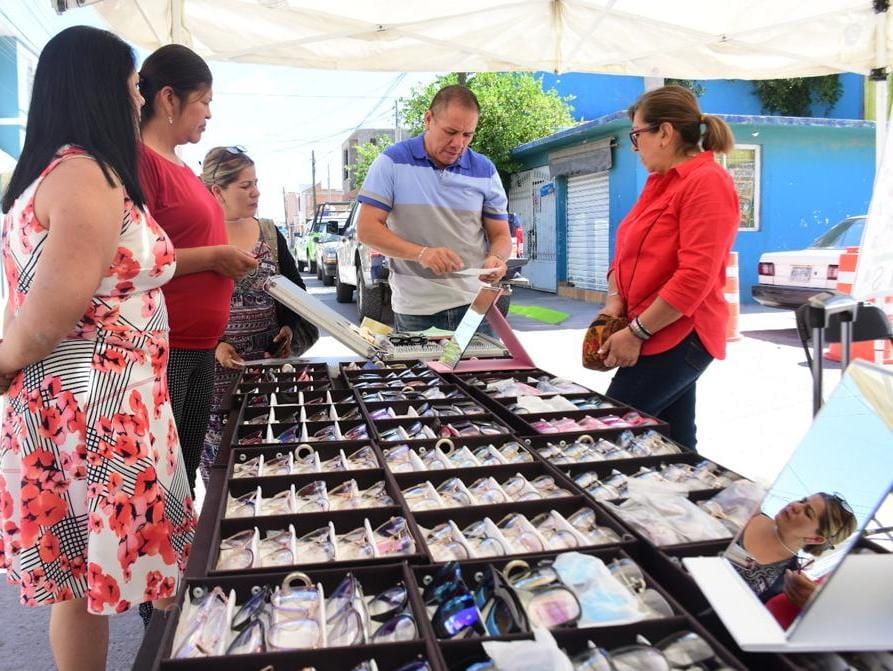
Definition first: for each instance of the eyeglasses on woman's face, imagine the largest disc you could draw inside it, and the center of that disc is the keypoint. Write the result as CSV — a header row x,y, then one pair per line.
x,y
634,134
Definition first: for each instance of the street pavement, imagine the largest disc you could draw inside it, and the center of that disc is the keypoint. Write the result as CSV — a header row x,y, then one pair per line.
x,y
753,408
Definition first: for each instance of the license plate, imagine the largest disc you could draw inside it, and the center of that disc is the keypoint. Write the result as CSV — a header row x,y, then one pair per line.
x,y
801,273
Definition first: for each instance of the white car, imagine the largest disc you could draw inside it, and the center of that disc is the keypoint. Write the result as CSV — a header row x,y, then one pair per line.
x,y
789,279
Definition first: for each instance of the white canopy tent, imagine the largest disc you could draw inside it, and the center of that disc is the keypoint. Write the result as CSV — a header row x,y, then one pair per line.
x,y
696,39
692,39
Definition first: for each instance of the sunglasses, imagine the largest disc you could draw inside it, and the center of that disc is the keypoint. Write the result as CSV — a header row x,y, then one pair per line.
x,y
845,506
634,134
407,340
234,150
499,605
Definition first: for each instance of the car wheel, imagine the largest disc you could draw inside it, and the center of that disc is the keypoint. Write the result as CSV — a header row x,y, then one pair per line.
x,y
320,273
370,300
343,292
327,280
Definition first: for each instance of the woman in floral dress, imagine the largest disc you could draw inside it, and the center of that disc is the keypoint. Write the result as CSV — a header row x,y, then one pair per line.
x,y
95,512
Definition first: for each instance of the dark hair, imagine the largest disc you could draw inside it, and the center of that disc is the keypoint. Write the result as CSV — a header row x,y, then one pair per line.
x,y
81,96
455,93
678,106
222,166
176,66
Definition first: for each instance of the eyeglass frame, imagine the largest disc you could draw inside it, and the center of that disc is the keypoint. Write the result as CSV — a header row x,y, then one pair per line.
x,y
635,132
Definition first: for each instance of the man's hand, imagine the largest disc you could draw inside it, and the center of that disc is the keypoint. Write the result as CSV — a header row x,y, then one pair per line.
x,y
498,266
283,342
621,349
233,262
440,260
227,356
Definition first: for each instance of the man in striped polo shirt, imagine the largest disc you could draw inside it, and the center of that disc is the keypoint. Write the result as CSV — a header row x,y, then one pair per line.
x,y
434,207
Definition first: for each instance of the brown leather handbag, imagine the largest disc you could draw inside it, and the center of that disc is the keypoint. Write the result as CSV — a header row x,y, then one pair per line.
x,y
601,328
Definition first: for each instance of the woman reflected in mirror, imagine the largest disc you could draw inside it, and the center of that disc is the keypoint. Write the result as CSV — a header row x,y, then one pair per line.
x,y
768,547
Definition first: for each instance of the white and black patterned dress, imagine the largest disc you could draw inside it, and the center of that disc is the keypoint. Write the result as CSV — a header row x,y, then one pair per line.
x,y
93,494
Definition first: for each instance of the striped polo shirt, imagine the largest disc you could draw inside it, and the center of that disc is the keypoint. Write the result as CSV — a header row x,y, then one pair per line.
x,y
434,207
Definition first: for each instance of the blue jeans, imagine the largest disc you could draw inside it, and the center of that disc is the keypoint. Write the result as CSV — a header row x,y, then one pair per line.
x,y
445,319
663,385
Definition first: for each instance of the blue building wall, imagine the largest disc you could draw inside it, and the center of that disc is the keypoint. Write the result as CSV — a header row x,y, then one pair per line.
x,y
736,96
595,95
10,136
599,95
811,176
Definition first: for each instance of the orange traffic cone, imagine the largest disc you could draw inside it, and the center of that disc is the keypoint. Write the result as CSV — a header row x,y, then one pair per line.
x,y
733,297
878,351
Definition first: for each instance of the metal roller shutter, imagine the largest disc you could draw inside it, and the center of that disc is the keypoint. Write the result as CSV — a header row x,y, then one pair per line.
x,y
588,203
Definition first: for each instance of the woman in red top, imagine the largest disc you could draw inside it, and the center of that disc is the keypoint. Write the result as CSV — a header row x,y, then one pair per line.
x,y
176,85
669,265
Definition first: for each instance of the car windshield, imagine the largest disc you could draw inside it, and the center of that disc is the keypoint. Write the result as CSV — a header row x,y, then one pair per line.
x,y
848,233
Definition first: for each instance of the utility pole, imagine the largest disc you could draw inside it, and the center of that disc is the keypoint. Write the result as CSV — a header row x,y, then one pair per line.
x,y
397,120
463,78
313,177
289,225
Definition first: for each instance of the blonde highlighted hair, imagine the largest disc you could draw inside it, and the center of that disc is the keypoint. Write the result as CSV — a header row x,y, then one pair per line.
x,y
222,166
836,524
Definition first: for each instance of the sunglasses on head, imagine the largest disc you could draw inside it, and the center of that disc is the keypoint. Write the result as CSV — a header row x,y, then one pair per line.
x,y
233,150
845,507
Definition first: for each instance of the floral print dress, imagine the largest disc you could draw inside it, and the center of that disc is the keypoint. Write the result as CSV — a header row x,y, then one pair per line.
x,y
94,500
251,329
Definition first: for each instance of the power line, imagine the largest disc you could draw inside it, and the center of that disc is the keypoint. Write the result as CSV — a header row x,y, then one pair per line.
x,y
38,19
24,39
301,95
291,145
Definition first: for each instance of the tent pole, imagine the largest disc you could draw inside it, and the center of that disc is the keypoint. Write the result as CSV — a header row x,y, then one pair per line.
x,y
879,77
880,114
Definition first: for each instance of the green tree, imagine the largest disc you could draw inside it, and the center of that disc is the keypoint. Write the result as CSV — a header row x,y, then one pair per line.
x,y
514,109
366,153
794,97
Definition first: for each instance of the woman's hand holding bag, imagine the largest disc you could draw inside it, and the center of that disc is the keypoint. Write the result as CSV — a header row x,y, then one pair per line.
x,y
601,328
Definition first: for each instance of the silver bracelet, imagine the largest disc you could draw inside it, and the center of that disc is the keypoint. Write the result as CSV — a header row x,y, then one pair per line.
x,y
642,327
636,330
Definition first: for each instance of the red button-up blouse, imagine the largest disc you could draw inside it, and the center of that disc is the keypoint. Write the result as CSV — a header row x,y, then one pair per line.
x,y
675,244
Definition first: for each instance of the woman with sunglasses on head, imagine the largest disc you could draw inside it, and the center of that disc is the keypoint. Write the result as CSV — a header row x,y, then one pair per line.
x,y
176,84
95,510
768,548
669,265
258,326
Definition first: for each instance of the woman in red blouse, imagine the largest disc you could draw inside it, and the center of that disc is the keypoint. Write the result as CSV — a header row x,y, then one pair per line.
x,y
669,265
